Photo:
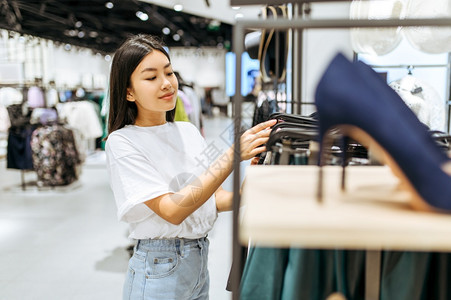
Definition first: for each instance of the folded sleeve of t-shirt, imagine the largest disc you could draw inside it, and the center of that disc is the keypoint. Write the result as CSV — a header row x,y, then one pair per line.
x,y
133,179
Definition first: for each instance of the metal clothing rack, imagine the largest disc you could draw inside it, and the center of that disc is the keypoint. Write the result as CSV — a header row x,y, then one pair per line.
x,y
413,66
298,25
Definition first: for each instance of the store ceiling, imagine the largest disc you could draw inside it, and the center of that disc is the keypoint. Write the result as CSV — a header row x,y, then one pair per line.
x,y
91,24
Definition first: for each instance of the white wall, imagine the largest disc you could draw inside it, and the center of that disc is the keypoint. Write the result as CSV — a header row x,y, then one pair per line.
x,y
320,46
75,67
203,66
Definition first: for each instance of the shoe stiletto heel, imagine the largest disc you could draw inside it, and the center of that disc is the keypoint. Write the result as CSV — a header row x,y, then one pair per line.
x,y
351,99
326,141
344,160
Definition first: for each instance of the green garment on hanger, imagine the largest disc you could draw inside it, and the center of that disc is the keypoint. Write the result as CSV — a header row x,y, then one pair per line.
x,y
415,275
306,274
180,114
309,274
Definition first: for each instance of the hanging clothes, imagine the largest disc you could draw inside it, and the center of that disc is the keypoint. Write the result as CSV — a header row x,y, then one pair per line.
x,y
180,114
423,100
51,97
19,137
186,102
19,153
9,96
266,105
54,155
35,97
84,117
195,116
5,123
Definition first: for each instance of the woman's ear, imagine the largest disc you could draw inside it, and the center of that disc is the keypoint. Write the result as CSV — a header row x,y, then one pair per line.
x,y
130,96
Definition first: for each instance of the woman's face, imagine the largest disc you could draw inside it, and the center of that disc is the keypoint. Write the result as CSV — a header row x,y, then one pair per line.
x,y
153,85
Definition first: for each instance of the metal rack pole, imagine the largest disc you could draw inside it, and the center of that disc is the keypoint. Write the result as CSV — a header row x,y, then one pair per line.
x,y
448,94
238,39
297,62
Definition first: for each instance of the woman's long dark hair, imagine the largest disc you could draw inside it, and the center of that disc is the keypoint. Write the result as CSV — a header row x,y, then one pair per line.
x,y
125,61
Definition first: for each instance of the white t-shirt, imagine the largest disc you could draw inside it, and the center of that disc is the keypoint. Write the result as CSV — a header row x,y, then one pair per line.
x,y
146,162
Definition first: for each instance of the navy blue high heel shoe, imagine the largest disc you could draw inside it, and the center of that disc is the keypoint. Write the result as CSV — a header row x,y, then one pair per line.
x,y
350,99
375,82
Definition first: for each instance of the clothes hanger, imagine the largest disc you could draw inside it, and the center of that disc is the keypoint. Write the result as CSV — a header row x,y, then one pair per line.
x,y
293,118
306,135
294,125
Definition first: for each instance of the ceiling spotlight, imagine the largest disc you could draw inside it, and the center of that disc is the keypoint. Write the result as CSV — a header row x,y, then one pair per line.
x,y
67,47
178,7
78,24
107,57
81,34
176,37
166,30
109,5
71,32
235,7
142,16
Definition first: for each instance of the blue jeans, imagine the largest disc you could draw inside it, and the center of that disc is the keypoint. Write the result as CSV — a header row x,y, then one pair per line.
x,y
168,269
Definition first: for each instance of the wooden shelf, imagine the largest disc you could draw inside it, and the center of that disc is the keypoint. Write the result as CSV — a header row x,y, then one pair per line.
x,y
280,209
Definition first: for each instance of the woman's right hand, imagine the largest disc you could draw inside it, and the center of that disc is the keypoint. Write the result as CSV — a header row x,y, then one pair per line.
x,y
254,139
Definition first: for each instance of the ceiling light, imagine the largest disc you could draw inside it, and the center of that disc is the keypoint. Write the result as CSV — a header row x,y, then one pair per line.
x,y
71,32
107,57
81,34
176,37
142,16
238,16
109,5
78,24
93,34
178,7
235,7
166,30
67,47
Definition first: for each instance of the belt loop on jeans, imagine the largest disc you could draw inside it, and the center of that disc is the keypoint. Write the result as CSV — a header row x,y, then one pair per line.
x,y
181,247
200,242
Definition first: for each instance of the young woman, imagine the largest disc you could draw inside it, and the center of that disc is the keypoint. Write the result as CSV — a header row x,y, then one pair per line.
x,y
163,185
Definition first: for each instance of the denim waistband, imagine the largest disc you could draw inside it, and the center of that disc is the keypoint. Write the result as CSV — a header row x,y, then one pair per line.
x,y
168,244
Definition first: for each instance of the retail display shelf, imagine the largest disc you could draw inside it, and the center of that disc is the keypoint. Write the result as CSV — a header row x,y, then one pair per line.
x,y
280,209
